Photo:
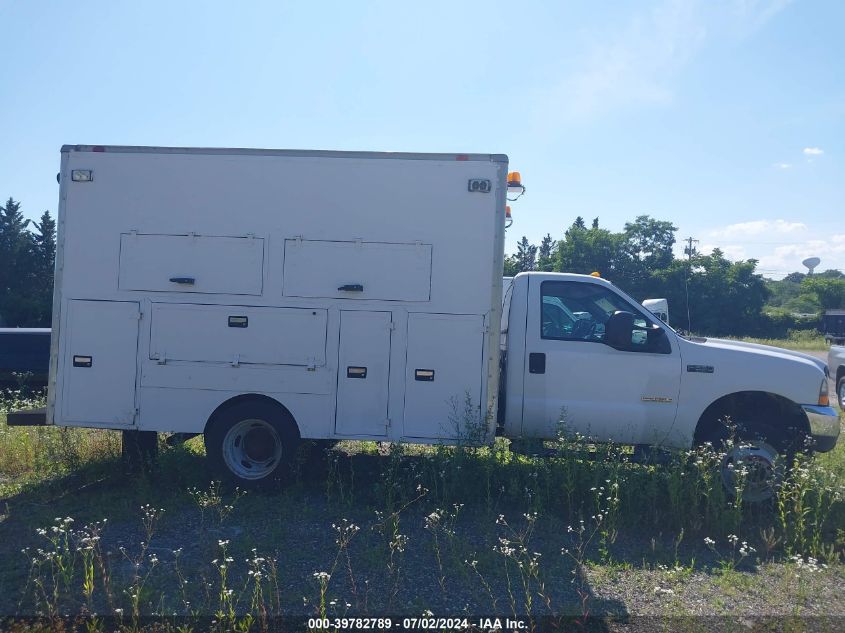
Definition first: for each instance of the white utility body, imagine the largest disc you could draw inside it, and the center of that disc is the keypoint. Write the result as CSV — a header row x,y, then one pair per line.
x,y
259,296
361,291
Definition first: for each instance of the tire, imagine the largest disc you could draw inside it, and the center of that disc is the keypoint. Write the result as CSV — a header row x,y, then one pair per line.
x,y
252,444
765,452
840,392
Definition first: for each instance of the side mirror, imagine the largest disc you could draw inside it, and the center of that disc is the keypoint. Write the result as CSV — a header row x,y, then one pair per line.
x,y
620,332
619,329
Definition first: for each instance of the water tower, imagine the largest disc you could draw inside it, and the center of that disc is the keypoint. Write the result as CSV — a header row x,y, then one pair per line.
x,y
811,263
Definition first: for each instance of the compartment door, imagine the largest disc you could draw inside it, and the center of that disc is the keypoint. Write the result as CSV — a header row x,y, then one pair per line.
x,y
357,270
443,376
204,264
99,364
363,370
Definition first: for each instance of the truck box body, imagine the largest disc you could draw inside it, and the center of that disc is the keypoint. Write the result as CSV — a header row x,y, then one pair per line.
x,y
362,291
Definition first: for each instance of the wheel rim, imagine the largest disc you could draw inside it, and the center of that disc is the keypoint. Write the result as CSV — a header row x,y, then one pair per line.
x,y
763,469
842,394
252,449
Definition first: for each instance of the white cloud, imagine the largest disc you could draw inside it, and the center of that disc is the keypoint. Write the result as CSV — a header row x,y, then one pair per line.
x,y
733,252
758,228
632,67
783,165
755,13
813,151
787,258
637,63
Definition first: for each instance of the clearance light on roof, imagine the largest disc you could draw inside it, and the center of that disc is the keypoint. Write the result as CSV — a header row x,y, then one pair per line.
x,y
508,218
595,273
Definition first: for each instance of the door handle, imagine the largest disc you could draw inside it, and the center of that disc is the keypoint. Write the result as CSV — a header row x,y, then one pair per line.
x,y
536,363
352,288
188,281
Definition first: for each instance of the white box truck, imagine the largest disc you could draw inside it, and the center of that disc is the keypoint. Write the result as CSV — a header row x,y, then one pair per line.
x,y
259,297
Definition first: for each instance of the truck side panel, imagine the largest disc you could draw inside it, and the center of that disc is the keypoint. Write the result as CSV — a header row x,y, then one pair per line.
x,y
275,246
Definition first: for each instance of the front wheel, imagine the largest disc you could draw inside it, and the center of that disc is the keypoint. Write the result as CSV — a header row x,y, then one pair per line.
x,y
252,443
753,456
756,466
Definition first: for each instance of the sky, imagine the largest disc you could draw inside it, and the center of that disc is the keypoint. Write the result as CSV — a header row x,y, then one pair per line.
x,y
726,117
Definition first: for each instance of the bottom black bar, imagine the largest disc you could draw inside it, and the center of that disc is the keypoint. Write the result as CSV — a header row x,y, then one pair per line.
x,y
30,417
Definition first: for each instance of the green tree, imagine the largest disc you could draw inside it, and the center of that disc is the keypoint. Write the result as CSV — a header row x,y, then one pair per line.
x,y
590,250
650,241
831,273
545,254
829,292
44,251
526,256
26,267
15,250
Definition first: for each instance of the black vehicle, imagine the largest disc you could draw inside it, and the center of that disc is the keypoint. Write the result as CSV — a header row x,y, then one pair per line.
x,y
24,356
833,326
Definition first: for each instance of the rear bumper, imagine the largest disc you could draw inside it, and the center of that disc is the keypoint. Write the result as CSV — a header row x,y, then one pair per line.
x,y
824,426
30,417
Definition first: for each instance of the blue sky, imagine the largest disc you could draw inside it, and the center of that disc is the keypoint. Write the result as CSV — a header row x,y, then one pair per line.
x,y
726,117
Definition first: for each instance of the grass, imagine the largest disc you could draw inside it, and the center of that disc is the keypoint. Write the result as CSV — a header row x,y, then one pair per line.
x,y
370,530
800,340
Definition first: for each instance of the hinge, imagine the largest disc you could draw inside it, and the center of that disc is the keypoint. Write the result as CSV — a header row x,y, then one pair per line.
x,y
391,325
387,423
236,361
312,364
161,357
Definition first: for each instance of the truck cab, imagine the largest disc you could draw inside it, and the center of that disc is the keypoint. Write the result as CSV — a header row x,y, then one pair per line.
x,y
581,356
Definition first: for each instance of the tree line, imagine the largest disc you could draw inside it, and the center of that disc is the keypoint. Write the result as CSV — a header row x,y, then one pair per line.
x,y
707,293
27,258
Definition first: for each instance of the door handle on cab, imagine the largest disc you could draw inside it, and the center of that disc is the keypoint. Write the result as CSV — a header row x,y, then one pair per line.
x,y
536,363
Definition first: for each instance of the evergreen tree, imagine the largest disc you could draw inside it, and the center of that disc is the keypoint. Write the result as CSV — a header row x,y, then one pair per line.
x,y
545,254
526,256
26,267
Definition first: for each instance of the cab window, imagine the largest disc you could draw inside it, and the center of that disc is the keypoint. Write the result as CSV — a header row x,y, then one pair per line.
x,y
577,311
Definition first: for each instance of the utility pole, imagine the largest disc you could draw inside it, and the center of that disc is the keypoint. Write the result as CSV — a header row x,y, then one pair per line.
x,y
690,249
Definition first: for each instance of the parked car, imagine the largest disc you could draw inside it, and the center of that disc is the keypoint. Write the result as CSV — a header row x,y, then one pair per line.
x,y
836,366
833,325
24,356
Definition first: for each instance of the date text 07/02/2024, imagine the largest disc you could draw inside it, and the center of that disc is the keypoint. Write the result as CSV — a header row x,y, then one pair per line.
x,y
417,623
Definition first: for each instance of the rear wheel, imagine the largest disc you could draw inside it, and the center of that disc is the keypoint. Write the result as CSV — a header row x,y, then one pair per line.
x,y
252,443
840,392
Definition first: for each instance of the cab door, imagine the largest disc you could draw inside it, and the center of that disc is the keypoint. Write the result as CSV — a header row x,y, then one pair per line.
x,y
574,381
